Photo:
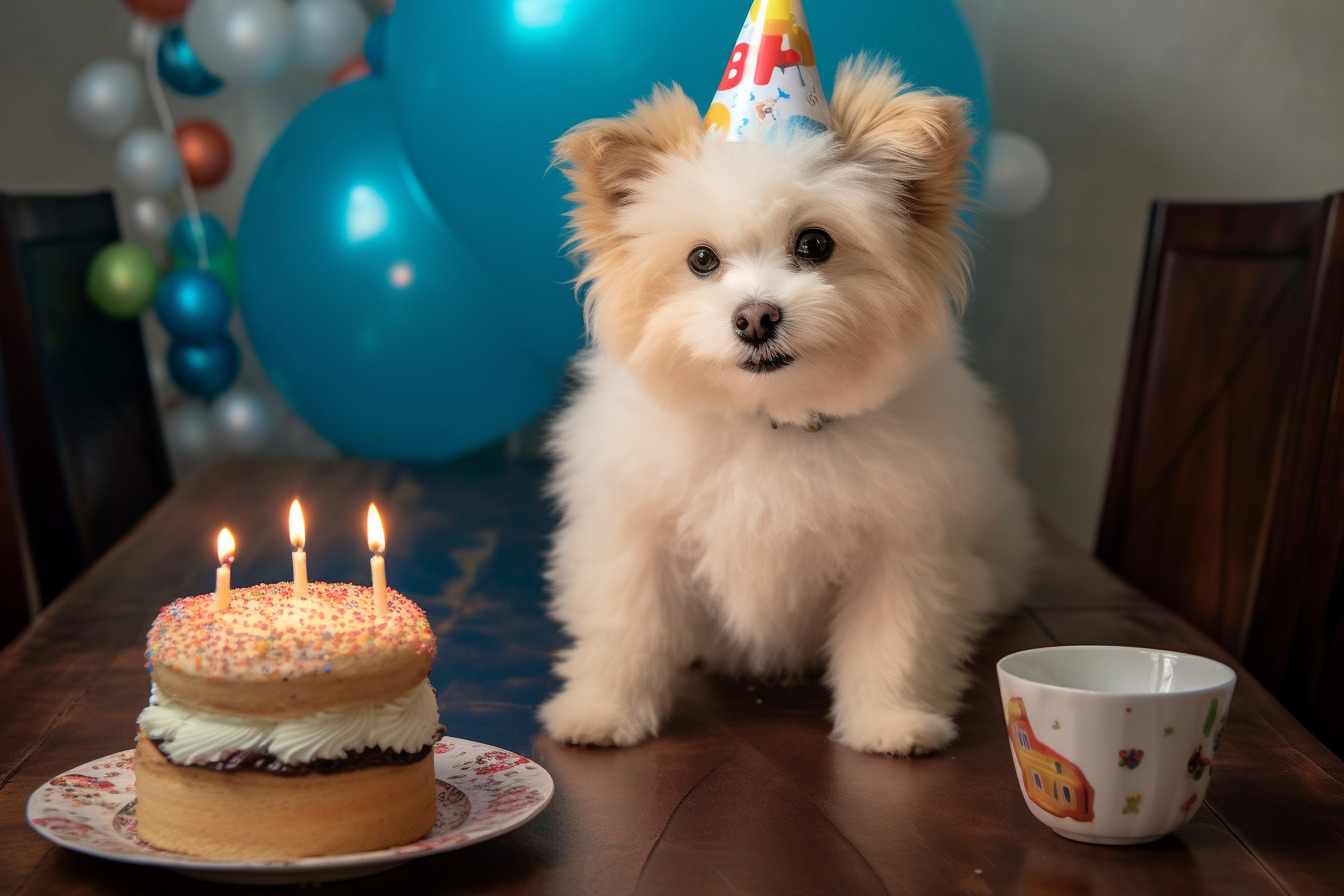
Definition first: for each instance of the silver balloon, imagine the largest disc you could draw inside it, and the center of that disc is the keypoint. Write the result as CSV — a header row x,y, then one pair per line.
x,y
1017,175
242,421
150,219
106,97
143,36
188,429
327,33
149,162
249,41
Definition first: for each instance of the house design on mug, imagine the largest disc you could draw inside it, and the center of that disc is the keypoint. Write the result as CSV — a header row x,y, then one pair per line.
x,y
1050,781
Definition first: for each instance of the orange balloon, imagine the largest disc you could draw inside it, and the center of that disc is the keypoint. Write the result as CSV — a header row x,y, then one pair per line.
x,y
157,10
206,152
356,68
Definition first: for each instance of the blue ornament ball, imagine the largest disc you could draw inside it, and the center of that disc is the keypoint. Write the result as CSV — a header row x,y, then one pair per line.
x,y
204,371
180,68
480,91
367,313
189,235
375,45
193,305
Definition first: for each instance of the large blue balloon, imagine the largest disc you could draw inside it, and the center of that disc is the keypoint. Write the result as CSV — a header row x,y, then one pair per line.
x,y
368,314
482,89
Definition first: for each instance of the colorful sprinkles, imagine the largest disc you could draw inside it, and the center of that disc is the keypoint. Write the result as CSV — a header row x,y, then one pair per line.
x,y
269,633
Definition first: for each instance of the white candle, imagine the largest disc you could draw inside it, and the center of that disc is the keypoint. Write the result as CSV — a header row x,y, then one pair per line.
x,y
296,537
223,589
379,584
377,543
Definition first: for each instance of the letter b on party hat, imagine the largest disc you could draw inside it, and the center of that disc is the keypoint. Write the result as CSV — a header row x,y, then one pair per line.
x,y
770,86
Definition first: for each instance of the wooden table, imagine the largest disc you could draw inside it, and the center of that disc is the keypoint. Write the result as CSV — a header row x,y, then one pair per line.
x,y
744,792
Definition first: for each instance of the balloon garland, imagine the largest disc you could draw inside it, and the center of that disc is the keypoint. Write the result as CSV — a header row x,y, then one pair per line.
x,y
193,306
194,49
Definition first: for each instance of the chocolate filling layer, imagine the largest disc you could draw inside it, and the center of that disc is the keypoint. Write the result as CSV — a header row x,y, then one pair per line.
x,y
253,760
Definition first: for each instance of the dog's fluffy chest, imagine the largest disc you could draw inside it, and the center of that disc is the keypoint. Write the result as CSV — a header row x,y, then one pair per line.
x,y
768,529
762,529
764,501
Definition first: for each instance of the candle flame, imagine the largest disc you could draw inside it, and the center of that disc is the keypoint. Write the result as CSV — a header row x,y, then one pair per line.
x,y
377,541
226,547
297,532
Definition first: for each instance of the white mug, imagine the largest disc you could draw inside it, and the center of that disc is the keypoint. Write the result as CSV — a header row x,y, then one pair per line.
x,y
1113,745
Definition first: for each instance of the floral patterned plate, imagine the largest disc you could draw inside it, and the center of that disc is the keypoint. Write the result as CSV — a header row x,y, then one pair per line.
x,y
483,792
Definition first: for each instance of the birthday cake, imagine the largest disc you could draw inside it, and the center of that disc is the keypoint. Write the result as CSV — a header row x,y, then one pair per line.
x,y
287,726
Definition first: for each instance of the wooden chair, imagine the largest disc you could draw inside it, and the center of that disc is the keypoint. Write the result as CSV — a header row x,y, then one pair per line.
x,y
1226,491
19,601
83,456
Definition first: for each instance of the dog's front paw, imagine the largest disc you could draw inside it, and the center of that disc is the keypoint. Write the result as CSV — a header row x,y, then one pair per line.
x,y
592,716
903,731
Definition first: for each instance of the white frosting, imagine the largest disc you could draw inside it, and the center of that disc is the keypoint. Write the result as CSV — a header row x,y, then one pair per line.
x,y
190,736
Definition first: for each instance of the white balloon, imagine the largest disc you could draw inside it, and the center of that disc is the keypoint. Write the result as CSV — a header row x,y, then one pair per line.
x,y
188,429
1017,175
106,97
148,161
249,41
242,421
327,33
150,219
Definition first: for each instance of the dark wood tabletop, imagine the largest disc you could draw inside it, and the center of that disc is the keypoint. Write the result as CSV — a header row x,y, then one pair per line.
x,y
743,793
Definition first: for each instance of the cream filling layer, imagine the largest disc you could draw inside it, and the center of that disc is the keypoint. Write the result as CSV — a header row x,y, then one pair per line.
x,y
189,736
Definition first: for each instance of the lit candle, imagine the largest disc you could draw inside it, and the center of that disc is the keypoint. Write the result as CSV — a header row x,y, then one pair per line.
x,y
377,543
222,589
296,538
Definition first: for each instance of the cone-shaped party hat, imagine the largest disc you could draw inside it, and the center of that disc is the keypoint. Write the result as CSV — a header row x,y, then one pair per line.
x,y
770,86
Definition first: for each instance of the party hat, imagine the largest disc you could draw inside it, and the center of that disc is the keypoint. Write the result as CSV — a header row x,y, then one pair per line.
x,y
771,86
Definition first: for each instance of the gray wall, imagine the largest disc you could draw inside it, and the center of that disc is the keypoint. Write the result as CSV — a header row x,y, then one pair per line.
x,y
1130,99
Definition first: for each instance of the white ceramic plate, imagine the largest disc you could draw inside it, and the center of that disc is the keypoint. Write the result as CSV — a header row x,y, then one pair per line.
x,y
483,791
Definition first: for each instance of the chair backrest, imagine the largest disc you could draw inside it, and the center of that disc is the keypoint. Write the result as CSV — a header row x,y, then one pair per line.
x,y
1226,492
80,424
19,600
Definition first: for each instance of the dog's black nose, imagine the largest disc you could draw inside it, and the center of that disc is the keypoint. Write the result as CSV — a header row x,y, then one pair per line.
x,y
755,322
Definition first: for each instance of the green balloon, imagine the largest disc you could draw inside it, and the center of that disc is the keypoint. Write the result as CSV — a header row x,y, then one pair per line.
x,y
222,262
122,279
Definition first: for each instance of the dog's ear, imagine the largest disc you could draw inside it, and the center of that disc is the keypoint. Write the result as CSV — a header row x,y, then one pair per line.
x,y
919,139
606,158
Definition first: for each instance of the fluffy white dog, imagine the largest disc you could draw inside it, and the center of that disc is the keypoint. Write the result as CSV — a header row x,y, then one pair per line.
x,y
776,460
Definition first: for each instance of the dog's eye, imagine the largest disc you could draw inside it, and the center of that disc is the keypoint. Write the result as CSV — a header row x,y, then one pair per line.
x,y
813,245
703,261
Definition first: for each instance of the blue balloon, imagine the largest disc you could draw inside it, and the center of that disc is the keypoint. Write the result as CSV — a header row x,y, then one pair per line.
x,y
204,371
180,68
375,45
186,238
481,90
193,306
367,313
